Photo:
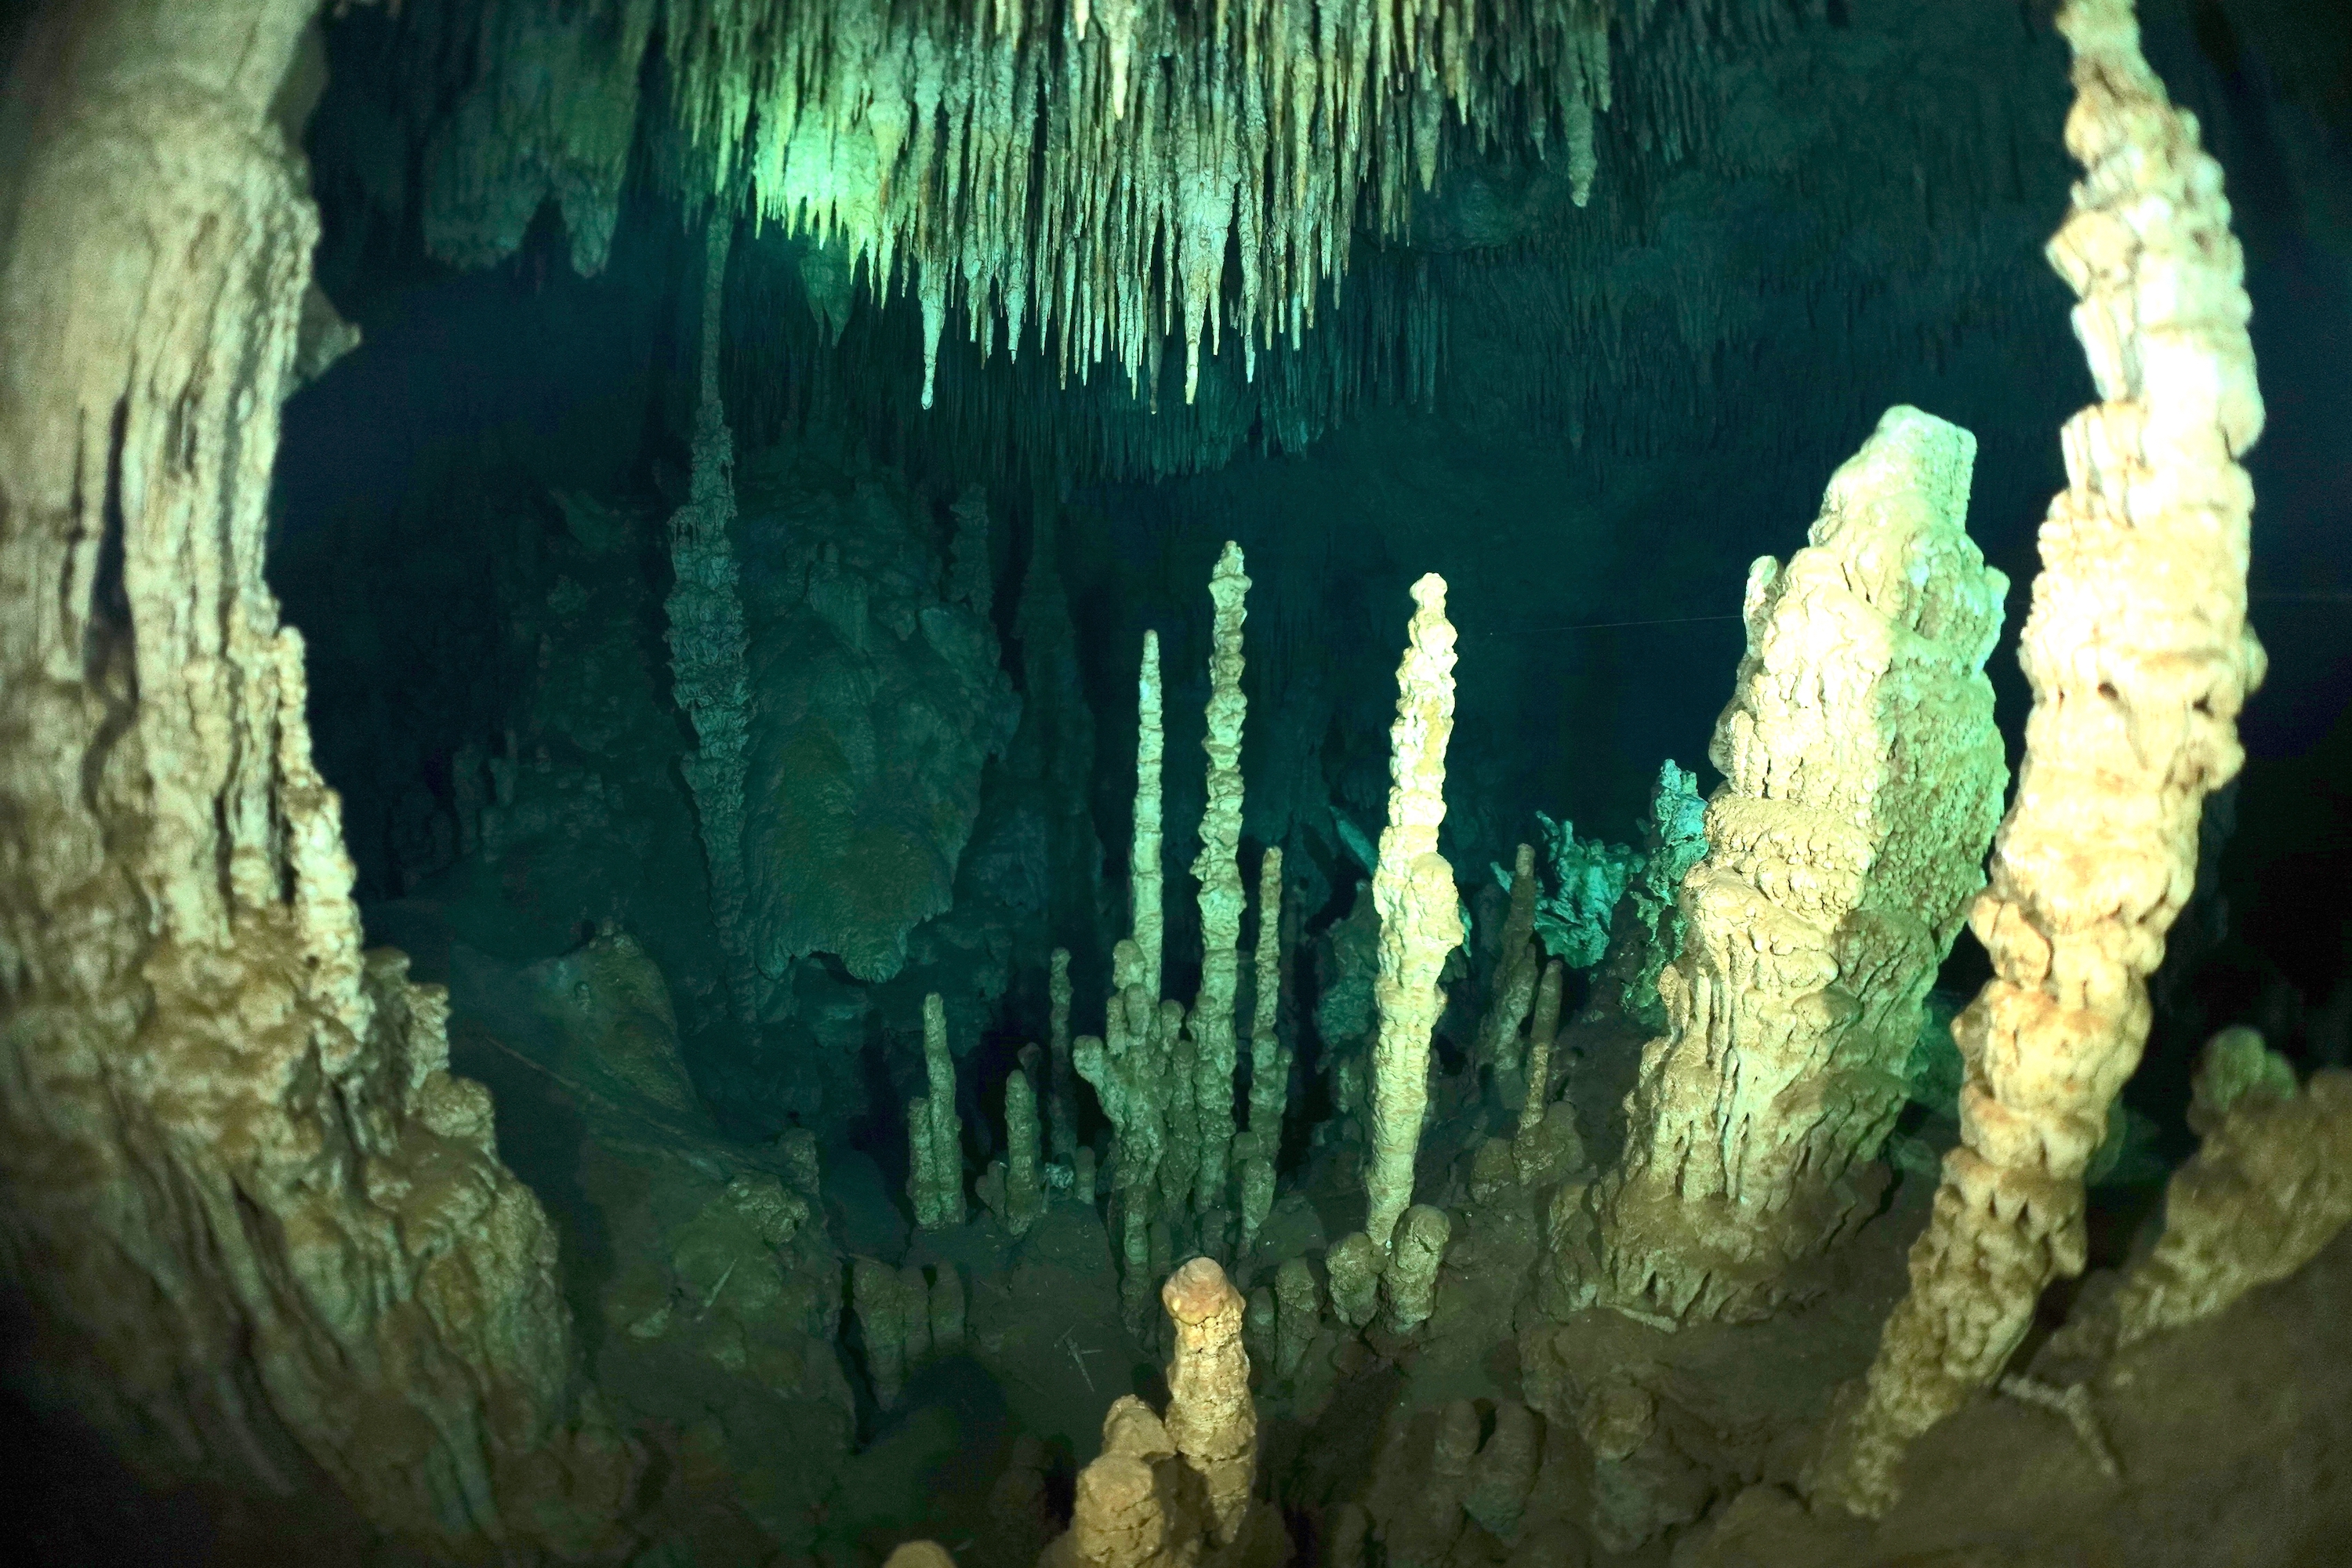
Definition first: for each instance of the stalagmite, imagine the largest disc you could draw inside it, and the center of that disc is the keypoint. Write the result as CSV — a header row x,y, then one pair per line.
x,y
1218,871
1421,912
2268,1187
262,1229
1014,1188
1518,964
1211,1418
1863,775
992,167
1257,1183
2139,656
1299,1315
1409,1285
1540,1034
1354,1264
707,641
1062,1109
877,1297
1269,1092
1146,921
915,1312
935,1130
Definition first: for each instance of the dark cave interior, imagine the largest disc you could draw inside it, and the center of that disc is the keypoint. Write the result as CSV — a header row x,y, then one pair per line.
x,y
1588,413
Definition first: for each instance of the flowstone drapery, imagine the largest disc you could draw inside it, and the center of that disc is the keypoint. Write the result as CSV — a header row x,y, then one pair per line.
x,y
2140,657
1863,776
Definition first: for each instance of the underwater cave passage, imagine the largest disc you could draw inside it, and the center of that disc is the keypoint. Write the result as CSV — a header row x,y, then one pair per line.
x,y
1379,784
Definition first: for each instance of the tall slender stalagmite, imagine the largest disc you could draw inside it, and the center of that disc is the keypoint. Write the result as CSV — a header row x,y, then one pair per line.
x,y
1145,880
1420,908
1269,1062
707,641
262,1230
2139,656
1218,871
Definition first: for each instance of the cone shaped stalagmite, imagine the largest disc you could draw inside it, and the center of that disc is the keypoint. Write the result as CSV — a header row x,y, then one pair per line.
x,y
1863,775
2139,656
1421,912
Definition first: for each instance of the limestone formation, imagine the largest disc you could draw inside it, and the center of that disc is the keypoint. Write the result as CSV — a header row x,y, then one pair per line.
x,y
1419,910
1863,775
2139,656
1409,1285
1541,1033
877,1295
1211,1418
1257,1183
915,1312
1145,880
1074,188
1132,1074
1269,1090
1299,1315
262,1228
1014,1188
877,704
935,1130
2268,1187
1354,1264
1518,964
1503,1475
708,674
1218,871
1161,1494
1061,1118
1647,934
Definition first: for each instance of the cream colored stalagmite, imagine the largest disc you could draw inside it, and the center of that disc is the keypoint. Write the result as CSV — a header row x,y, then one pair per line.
x,y
263,1232
1145,880
2139,656
1218,871
1419,910
706,639
1862,779
1211,1418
